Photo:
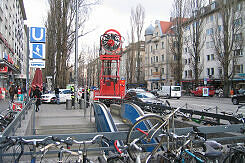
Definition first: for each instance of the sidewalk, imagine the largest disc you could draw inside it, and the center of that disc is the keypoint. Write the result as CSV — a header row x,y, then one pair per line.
x,y
55,119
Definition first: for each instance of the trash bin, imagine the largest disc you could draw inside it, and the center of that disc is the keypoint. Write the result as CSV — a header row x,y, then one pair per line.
x,y
68,104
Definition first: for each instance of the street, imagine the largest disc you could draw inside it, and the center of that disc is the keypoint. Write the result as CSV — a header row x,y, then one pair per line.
x,y
201,103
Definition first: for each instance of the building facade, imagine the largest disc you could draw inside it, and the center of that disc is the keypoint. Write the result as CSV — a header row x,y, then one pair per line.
x,y
158,57
209,64
130,69
13,42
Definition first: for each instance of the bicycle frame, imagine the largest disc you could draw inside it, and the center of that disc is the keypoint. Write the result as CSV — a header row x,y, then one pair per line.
x,y
190,154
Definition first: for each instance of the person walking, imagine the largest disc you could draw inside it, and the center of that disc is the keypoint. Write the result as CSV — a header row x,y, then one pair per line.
x,y
37,94
57,94
72,96
11,93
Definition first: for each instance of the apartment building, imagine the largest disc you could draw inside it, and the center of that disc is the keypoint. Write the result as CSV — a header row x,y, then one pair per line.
x,y
129,66
158,57
13,41
210,68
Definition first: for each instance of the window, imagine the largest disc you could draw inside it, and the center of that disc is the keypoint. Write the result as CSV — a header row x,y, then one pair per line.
x,y
185,73
238,22
151,60
239,68
208,71
151,71
190,73
162,45
151,48
212,71
163,71
189,60
213,6
209,31
162,58
156,46
156,58
186,50
211,44
212,57
156,69
208,57
238,52
211,18
238,37
219,28
239,7
220,70
199,58
207,45
185,61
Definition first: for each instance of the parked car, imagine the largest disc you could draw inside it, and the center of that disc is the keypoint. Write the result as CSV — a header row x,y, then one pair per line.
x,y
199,91
238,98
145,97
51,98
136,90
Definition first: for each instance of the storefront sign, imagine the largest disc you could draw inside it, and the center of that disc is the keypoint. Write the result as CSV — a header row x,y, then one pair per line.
x,y
3,69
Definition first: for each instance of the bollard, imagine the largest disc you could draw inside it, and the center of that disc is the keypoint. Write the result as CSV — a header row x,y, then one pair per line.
x,y
80,103
68,104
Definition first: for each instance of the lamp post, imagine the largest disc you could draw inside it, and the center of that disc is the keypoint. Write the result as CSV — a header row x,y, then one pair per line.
x,y
76,55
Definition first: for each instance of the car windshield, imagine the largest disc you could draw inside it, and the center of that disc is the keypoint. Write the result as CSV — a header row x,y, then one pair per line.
x,y
145,95
175,88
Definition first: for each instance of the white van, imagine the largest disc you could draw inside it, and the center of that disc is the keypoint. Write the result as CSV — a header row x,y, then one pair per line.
x,y
170,91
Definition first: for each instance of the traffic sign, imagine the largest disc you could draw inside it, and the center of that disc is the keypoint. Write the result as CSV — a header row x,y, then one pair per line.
x,y
37,51
37,34
37,63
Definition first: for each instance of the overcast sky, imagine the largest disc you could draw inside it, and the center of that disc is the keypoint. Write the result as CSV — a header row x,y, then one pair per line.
x,y
110,14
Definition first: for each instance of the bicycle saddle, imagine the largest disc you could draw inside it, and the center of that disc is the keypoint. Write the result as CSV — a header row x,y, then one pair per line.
x,y
212,153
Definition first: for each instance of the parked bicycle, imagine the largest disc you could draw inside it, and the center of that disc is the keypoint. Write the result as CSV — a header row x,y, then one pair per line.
x,y
80,155
16,147
236,153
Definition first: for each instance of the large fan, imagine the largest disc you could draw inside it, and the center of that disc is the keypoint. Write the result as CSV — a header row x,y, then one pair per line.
x,y
111,40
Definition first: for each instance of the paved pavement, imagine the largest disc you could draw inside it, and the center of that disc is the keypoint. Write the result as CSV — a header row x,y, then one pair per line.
x,y
56,119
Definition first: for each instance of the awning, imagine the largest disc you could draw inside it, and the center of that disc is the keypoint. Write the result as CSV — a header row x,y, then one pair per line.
x,y
10,66
38,79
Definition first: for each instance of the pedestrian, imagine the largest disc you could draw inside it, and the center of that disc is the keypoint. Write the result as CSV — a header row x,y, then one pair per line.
x,y
37,94
72,96
19,91
11,93
57,94
220,92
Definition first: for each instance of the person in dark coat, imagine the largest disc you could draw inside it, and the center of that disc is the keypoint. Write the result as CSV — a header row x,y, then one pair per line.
x,y
57,94
11,93
37,94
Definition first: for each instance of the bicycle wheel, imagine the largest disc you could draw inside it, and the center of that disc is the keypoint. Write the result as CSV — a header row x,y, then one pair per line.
x,y
15,151
236,157
145,130
191,159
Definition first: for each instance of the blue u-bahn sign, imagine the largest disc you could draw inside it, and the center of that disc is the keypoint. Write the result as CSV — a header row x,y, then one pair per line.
x,y
37,34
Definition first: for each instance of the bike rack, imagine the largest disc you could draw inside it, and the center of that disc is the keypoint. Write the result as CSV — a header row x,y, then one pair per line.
x,y
234,132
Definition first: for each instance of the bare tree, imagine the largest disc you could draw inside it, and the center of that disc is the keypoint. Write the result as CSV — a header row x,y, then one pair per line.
x,y
137,19
179,14
227,37
195,39
63,17
50,44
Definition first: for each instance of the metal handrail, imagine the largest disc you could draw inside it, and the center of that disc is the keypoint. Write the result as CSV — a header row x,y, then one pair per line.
x,y
12,127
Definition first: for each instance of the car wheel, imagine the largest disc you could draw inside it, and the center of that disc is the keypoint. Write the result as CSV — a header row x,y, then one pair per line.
x,y
178,97
235,101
